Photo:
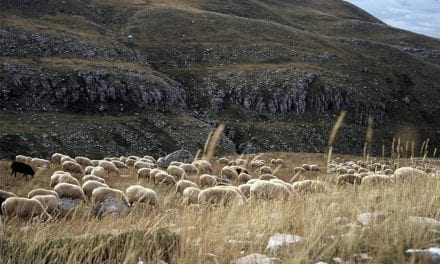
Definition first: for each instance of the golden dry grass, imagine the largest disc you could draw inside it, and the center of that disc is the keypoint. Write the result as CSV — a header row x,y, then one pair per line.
x,y
228,233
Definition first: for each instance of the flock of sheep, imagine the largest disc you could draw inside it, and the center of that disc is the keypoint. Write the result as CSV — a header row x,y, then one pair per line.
x,y
83,181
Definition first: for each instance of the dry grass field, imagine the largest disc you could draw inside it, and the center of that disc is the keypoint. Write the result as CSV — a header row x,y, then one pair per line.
x,y
328,222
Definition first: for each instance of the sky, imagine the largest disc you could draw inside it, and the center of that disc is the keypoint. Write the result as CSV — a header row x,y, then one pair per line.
x,y
421,16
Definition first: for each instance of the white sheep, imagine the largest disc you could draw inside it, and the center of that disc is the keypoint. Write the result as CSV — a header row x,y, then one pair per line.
x,y
70,191
92,178
203,166
245,189
183,184
143,164
223,161
176,171
40,191
143,173
73,168
95,163
90,185
150,158
56,158
40,163
23,208
99,172
190,169
348,179
309,186
191,195
83,161
23,159
67,158
54,179
130,162
265,170
134,157
119,164
102,193
88,170
50,202
65,178
376,179
267,176
267,190
110,168
140,194
244,178
229,173
207,180
164,178
255,164
221,195
408,174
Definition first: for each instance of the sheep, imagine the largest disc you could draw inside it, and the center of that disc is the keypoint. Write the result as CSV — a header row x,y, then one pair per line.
x,y
40,163
223,161
22,168
95,163
56,158
67,158
108,201
99,172
50,202
265,170
183,184
92,178
164,178
123,159
140,194
221,195
142,164
241,162
143,173
90,185
83,161
348,179
229,173
190,169
70,191
119,164
309,186
88,170
288,185
267,176
255,164
130,162
102,193
176,171
277,162
150,158
244,177
54,179
134,157
155,171
23,208
376,180
203,166
191,195
109,167
267,190
65,178
408,174
298,170
245,189
207,180
74,168
40,191
23,159
5,195
252,181
314,167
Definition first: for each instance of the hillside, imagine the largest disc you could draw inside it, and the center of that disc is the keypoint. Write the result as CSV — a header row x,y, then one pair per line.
x,y
113,76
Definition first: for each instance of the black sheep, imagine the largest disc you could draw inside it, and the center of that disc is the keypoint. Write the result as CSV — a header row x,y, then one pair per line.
x,y
21,168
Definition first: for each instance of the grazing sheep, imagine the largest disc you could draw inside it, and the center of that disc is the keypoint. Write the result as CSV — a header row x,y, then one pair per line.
x,y
40,163
119,164
109,167
164,178
176,171
40,191
83,161
309,186
65,178
130,162
277,162
221,195
241,162
155,171
102,193
348,179
265,170
190,169
314,167
223,161
142,164
88,170
67,158
207,180
50,202
92,178
388,172
191,195
408,174
245,189
288,185
56,158
140,194
70,191
54,179
298,170
183,184
150,158
90,185
267,176
244,178
23,208
229,173
175,163
99,172
134,157
5,195
306,167
22,168
252,181
143,173
108,201
376,180
23,159
74,168
267,190
203,166
255,164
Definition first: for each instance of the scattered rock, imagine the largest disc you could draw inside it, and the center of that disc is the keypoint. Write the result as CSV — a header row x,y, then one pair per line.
x,y
256,259
430,255
371,218
277,241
